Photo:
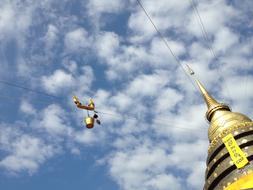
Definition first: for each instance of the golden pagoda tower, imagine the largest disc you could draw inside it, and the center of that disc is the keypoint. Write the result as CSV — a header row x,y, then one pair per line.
x,y
230,152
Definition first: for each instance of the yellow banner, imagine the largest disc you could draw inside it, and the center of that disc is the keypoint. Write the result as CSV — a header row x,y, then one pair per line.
x,y
236,154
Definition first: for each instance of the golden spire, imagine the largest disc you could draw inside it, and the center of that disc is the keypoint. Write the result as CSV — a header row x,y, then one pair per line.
x,y
212,104
219,115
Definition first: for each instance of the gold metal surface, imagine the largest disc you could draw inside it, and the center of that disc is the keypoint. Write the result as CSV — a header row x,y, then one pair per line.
x,y
229,180
219,115
224,132
89,121
224,151
222,120
211,103
226,163
221,171
75,99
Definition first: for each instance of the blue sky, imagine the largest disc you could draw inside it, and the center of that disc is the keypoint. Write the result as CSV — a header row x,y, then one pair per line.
x,y
153,134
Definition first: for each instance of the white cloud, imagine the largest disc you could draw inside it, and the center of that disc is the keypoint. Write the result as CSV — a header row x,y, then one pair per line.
x,y
146,85
196,177
122,60
177,157
54,121
225,39
51,36
27,108
214,15
158,47
240,87
140,24
83,83
77,40
7,14
24,152
164,101
70,80
86,137
185,125
163,182
75,151
199,52
107,44
104,6
240,91
194,159
140,166
161,56
58,81
14,21
122,101
165,14
70,65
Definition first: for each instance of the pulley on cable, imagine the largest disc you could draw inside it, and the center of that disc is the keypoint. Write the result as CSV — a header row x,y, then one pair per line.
x,y
89,121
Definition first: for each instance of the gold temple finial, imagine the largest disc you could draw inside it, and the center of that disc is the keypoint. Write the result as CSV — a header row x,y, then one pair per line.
x,y
219,115
210,101
212,104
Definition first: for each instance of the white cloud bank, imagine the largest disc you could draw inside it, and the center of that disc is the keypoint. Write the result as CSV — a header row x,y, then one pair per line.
x,y
24,152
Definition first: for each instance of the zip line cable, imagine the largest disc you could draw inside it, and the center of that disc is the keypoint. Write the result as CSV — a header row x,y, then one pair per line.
x,y
160,34
28,89
163,39
35,91
167,45
98,111
203,30
205,36
125,117
129,117
165,42
14,100
155,121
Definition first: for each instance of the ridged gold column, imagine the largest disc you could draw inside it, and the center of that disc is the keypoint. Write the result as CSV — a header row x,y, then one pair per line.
x,y
221,172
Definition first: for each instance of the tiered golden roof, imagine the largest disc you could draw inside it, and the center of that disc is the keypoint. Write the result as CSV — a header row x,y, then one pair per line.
x,y
223,171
